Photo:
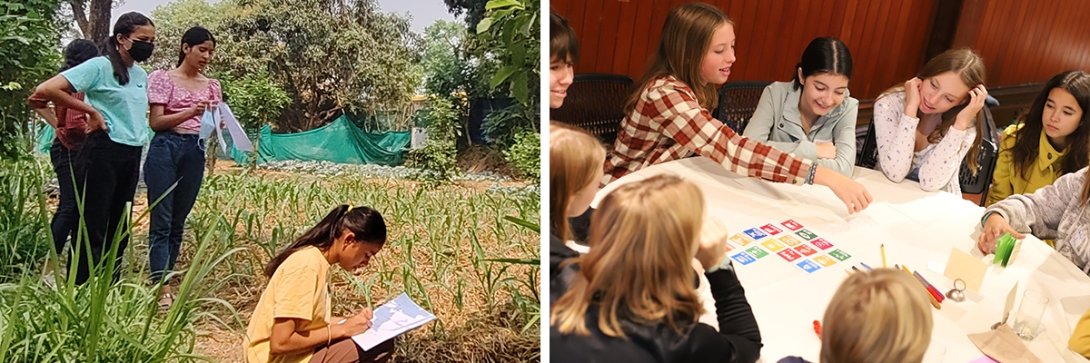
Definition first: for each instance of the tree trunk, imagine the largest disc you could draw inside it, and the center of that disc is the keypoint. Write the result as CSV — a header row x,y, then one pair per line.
x,y
99,21
79,11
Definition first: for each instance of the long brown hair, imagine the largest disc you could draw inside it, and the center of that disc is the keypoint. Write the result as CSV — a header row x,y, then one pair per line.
x,y
366,223
685,40
1027,142
563,44
574,158
640,267
968,66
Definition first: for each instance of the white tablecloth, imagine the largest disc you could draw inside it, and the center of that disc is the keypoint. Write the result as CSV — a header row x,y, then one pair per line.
x,y
916,227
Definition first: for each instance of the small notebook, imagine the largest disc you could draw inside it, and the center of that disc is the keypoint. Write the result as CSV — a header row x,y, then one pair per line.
x,y
392,319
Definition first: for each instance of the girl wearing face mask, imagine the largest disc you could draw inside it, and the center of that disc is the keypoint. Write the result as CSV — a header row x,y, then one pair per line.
x,y
1050,141
178,99
926,128
812,117
668,119
116,104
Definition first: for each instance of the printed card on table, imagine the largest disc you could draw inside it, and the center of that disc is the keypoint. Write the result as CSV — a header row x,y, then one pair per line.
x,y
789,254
792,225
773,245
741,240
755,233
806,234
729,247
806,250
822,244
790,240
808,266
743,258
757,252
770,229
825,260
840,255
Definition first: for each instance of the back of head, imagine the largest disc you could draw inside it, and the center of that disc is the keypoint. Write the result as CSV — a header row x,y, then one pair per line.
x,y
685,39
575,157
640,267
563,45
877,316
193,37
826,55
77,52
125,25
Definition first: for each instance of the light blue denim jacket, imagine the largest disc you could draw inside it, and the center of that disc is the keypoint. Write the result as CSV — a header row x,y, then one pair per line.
x,y
777,123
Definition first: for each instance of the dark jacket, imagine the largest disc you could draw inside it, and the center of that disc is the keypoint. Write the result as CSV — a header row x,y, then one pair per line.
x,y
738,338
558,252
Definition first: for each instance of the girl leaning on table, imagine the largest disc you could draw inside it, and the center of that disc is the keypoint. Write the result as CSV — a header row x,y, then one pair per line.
x,y
927,127
668,119
1053,139
812,116
631,297
292,321
575,168
875,316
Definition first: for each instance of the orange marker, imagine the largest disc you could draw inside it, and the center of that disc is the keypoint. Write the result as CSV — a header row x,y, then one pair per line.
x,y
817,328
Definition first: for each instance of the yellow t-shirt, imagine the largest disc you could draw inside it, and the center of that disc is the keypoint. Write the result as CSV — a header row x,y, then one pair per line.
x,y
1080,339
298,289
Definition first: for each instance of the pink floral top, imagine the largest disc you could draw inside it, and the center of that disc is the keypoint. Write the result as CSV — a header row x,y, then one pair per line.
x,y
164,91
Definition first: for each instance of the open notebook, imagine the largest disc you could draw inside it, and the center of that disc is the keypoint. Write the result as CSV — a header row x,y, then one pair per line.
x,y
392,319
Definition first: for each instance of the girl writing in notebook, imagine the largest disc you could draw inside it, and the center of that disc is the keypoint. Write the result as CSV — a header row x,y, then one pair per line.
x,y
292,321
668,119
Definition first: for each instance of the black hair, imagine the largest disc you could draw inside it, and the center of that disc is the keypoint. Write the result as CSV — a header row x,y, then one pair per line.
x,y
1027,144
365,222
125,25
77,52
562,41
824,55
192,37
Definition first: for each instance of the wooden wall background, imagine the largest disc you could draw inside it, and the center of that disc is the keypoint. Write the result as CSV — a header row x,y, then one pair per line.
x,y
1022,42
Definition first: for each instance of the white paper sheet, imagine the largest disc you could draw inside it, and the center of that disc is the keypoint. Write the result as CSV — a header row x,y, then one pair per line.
x,y
238,135
392,319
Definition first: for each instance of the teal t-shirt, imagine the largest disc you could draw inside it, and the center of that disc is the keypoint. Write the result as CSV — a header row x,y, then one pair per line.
x,y
124,107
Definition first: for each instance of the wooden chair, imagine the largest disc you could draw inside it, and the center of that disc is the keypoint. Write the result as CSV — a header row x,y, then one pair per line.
x,y
737,101
595,102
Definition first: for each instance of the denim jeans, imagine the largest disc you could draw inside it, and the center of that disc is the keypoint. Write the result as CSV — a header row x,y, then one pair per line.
x,y
172,158
108,173
66,221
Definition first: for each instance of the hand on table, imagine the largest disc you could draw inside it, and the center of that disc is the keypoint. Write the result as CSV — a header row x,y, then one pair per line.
x,y
994,227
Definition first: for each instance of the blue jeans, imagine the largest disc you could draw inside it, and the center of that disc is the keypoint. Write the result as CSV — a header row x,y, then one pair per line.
x,y
172,158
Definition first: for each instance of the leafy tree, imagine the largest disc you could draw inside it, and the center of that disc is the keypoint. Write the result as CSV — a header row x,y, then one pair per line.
x,y
28,56
473,10
511,35
93,18
329,56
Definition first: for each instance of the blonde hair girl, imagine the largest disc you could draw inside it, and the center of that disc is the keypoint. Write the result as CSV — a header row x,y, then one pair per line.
x,y
925,128
631,298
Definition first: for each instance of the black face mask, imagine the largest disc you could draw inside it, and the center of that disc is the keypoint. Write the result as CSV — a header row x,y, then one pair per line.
x,y
141,50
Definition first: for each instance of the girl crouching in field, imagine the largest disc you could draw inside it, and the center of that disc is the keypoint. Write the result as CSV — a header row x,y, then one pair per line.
x,y
292,321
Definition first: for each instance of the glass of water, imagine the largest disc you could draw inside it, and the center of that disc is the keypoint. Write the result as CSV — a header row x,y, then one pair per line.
x,y
1027,324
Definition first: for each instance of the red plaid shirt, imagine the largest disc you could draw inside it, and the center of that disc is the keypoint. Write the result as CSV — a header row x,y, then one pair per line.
x,y
669,124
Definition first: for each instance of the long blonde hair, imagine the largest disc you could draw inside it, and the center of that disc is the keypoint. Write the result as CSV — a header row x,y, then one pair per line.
x,y
685,40
877,316
640,268
574,158
968,66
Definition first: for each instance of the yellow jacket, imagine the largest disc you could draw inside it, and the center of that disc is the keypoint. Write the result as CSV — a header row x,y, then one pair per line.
x,y
1080,339
1006,181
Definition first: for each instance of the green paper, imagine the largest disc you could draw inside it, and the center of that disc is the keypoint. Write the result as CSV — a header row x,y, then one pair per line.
x,y
1003,248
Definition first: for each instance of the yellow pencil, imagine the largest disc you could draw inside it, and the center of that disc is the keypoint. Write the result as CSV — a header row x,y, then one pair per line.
x,y
884,255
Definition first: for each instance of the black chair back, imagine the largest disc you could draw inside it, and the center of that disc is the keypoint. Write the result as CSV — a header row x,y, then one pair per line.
x,y
737,101
595,102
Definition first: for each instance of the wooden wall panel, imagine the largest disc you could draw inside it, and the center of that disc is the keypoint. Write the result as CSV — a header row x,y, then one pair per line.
x,y
618,37
1025,42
